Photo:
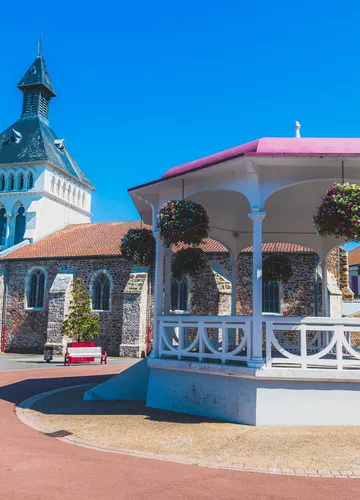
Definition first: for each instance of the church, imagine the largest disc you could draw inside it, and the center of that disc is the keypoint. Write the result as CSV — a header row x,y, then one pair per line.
x,y
47,239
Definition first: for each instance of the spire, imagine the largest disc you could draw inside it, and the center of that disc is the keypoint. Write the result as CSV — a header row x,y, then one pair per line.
x,y
37,87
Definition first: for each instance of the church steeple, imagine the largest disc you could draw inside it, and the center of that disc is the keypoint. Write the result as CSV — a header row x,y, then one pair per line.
x,y
37,88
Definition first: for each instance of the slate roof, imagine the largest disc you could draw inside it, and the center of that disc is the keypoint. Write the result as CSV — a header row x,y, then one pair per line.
x,y
37,75
104,238
37,144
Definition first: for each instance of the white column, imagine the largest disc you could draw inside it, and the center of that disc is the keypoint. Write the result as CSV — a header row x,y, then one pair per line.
x,y
167,287
233,284
325,309
158,292
9,229
256,356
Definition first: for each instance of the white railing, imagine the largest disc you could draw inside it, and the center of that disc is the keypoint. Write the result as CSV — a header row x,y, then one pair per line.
x,y
223,338
312,342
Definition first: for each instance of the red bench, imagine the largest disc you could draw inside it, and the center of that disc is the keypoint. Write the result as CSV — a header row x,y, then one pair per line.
x,y
73,353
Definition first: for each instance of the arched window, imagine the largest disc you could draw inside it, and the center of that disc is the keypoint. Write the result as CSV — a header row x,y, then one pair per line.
x,y
78,197
20,225
63,189
21,182
69,192
83,200
11,182
101,293
3,225
74,194
35,297
30,180
52,187
179,295
270,298
58,187
2,182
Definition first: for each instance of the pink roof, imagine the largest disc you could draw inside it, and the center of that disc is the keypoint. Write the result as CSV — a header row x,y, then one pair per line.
x,y
275,146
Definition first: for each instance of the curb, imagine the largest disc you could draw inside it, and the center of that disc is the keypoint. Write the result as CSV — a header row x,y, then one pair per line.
x,y
23,409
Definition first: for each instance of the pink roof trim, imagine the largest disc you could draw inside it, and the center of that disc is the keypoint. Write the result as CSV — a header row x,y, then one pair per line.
x,y
275,146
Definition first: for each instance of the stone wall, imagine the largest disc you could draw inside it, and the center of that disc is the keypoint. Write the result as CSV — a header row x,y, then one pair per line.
x,y
27,328
134,316
297,296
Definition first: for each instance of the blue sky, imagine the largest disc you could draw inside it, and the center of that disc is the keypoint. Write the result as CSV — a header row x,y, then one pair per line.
x,y
143,86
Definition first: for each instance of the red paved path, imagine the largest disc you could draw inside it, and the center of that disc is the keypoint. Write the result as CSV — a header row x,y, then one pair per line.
x,y
37,467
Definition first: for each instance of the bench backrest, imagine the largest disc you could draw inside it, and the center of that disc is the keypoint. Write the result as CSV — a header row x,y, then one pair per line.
x,y
87,351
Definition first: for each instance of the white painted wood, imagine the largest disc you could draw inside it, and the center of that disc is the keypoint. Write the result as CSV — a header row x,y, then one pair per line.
x,y
81,352
257,356
202,346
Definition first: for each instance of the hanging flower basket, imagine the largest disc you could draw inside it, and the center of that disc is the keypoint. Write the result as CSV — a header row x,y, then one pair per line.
x,y
188,262
138,246
183,221
276,268
339,213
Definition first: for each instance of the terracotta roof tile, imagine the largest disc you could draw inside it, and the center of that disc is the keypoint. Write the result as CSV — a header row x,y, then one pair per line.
x,y
354,256
104,238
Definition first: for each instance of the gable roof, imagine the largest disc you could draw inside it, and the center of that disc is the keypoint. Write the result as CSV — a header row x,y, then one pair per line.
x,y
104,239
37,143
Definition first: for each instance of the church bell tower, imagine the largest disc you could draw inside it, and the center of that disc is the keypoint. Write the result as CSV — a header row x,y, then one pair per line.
x,y
42,188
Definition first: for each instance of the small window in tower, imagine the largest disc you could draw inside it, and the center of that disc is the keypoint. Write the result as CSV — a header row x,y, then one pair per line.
x,y
11,182
2,182
21,182
3,226
32,70
30,180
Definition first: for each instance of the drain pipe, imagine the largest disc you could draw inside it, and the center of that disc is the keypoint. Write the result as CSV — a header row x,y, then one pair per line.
x,y
3,329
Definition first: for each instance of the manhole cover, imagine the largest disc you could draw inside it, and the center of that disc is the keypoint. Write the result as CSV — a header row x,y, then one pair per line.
x,y
58,434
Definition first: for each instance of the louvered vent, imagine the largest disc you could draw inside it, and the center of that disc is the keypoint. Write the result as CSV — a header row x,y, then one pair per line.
x,y
36,102
43,104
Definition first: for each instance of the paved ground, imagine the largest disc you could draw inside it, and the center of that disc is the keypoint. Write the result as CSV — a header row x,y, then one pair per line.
x,y
129,425
36,467
31,361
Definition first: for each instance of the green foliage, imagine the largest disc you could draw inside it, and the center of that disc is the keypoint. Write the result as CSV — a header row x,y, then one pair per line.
x,y
339,213
188,262
183,221
81,324
276,268
138,246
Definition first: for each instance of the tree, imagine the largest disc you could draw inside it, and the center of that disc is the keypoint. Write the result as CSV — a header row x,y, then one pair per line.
x,y
81,324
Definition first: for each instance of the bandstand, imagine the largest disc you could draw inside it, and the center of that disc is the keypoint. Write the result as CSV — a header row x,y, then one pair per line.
x,y
255,373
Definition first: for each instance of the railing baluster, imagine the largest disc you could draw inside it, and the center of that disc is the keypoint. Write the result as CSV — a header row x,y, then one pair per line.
x,y
303,346
269,325
339,332
224,342
180,339
201,331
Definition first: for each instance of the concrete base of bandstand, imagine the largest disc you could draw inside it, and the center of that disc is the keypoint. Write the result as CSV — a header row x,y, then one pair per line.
x,y
239,394
276,397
